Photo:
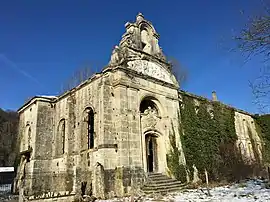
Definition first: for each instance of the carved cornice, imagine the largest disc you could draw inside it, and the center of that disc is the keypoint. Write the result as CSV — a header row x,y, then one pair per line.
x,y
143,76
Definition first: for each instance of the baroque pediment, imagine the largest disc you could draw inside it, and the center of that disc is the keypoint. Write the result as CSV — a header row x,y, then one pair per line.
x,y
151,69
139,50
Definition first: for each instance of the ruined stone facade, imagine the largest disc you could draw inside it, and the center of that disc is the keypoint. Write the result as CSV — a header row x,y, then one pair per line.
x,y
103,137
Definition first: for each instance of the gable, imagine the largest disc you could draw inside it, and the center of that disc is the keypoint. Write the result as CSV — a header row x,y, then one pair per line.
x,y
151,69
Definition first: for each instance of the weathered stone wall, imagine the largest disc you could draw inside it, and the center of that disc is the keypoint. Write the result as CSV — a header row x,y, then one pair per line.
x,y
74,166
89,96
117,164
249,142
42,150
44,132
28,119
131,90
27,137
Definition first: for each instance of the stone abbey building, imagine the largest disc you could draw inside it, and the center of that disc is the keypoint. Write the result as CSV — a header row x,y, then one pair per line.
x,y
104,136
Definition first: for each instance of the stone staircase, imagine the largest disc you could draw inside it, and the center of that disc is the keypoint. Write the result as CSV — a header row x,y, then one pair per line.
x,y
159,183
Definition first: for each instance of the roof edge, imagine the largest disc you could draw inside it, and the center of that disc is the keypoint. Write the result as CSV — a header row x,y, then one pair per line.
x,y
36,98
206,99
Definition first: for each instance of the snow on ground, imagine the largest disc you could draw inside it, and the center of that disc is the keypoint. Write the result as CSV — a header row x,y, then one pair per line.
x,y
245,192
252,190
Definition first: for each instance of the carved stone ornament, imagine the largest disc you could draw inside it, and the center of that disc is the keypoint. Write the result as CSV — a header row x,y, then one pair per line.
x,y
149,118
117,56
140,36
150,69
129,38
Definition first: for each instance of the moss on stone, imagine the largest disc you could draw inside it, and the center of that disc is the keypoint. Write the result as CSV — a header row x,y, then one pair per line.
x,y
263,129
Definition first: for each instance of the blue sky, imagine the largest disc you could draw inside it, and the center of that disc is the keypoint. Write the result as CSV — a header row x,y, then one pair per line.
x,y
43,42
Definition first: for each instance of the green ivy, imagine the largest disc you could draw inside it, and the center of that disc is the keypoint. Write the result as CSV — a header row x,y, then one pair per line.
x,y
263,129
210,142
173,158
206,139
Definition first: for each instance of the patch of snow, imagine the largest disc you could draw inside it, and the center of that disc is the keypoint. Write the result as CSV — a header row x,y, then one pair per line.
x,y
252,190
249,191
6,169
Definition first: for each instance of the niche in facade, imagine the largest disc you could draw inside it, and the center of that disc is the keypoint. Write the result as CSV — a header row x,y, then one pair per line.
x,y
149,113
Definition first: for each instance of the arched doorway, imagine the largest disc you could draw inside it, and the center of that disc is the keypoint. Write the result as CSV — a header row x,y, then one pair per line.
x,y
151,153
150,116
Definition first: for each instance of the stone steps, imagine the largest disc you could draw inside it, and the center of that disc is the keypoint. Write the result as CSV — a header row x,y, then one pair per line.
x,y
162,190
157,178
149,188
167,183
159,183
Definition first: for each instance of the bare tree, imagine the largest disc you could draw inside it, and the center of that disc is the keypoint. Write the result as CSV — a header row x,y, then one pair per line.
x,y
78,77
261,90
179,71
253,40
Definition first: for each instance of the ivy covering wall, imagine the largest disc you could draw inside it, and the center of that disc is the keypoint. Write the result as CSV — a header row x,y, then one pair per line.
x,y
208,137
177,169
263,128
